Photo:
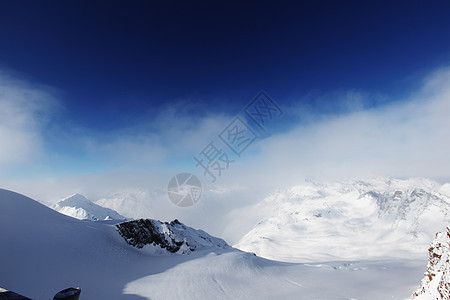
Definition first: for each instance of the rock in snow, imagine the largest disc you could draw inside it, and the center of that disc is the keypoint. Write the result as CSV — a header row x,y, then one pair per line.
x,y
175,237
436,283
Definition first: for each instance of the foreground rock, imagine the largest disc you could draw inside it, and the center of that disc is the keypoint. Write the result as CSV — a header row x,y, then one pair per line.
x,y
173,237
436,283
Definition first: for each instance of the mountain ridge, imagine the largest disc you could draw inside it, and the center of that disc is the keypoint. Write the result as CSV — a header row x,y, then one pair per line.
x,y
355,219
79,207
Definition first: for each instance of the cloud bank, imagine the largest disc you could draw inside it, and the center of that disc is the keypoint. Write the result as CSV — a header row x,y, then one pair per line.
x,y
404,138
407,137
24,111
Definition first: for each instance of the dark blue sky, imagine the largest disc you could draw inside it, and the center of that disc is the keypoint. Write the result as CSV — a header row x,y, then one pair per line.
x,y
114,60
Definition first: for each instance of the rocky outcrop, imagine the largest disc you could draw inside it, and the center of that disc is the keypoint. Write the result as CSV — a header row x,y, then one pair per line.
x,y
436,283
174,237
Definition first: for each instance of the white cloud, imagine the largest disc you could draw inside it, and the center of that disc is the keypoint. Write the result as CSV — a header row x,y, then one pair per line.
x,y
161,141
407,138
24,109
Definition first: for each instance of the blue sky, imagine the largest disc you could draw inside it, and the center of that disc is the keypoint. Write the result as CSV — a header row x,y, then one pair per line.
x,y
91,87
113,60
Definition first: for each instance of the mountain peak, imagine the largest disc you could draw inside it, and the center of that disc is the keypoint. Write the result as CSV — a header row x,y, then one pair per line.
x,y
79,207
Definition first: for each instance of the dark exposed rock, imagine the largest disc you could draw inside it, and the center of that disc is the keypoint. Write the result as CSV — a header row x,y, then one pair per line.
x,y
175,237
436,282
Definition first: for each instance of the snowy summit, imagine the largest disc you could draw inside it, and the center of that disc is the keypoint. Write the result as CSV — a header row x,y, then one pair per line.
x,y
79,207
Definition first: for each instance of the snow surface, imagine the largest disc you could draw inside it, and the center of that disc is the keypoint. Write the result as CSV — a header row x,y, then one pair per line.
x,y
43,251
350,220
79,207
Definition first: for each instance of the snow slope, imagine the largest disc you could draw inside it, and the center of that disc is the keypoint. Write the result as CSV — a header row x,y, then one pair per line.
x,y
349,220
79,207
237,275
43,251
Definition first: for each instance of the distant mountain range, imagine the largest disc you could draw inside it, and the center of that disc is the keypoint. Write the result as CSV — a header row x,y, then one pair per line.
x,y
320,221
355,219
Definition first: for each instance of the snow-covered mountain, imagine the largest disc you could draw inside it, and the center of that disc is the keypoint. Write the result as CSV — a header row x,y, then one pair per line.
x,y
43,251
79,207
436,283
355,219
